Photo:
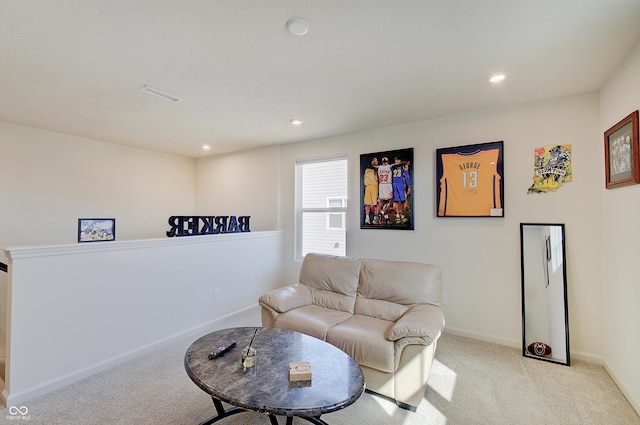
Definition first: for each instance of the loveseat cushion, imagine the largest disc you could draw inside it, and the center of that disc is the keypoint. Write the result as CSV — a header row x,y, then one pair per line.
x,y
400,282
312,320
333,280
380,309
363,338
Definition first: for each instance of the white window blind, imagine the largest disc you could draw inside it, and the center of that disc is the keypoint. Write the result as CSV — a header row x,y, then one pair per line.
x,y
321,206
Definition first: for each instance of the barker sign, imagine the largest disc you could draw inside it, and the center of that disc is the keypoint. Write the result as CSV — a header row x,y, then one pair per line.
x,y
207,225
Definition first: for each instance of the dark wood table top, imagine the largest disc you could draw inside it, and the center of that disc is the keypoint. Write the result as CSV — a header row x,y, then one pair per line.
x,y
337,380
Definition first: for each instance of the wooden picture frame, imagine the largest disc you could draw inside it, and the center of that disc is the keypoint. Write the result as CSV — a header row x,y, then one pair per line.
x,y
622,153
386,190
96,229
470,180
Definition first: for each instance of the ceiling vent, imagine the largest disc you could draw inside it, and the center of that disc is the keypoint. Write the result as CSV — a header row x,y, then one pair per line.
x,y
156,92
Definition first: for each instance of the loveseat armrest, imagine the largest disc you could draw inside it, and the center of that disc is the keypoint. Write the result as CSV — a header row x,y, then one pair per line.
x,y
424,321
286,298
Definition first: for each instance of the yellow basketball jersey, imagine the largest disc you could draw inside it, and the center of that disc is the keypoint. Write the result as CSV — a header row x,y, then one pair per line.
x,y
470,184
370,177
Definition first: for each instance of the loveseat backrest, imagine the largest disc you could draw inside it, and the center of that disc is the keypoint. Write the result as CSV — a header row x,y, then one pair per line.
x,y
400,282
333,280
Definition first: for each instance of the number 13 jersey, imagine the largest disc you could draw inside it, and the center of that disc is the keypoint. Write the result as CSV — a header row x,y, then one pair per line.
x,y
470,184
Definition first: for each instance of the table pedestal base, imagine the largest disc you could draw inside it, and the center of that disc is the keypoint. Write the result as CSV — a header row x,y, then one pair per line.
x,y
222,413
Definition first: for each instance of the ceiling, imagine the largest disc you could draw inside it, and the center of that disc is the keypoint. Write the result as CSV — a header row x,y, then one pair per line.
x,y
77,66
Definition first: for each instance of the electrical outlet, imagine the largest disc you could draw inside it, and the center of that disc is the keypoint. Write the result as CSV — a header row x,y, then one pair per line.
x,y
216,294
445,299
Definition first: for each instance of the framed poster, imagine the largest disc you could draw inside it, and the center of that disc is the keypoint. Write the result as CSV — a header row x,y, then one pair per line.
x,y
386,190
96,229
621,156
552,168
470,181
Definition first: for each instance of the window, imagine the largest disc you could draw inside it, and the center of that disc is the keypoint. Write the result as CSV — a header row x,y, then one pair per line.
x,y
321,206
336,220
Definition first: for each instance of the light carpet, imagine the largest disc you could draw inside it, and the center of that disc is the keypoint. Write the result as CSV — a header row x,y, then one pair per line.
x,y
471,383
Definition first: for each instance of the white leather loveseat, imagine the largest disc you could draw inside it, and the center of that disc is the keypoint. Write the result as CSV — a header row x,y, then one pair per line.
x,y
385,314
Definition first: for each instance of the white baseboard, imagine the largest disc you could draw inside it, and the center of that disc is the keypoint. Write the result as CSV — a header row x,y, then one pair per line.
x,y
14,399
633,402
483,337
580,356
587,358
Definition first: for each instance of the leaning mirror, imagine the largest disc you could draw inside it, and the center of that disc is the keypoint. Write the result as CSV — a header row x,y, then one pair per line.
x,y
545,324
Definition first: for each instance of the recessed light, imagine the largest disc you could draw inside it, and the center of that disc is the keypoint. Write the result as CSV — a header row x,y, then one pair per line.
x,y
295,122
497,78
297,26
206,147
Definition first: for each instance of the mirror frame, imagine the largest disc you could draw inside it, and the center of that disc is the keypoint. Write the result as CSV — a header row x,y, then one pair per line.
x,y
525,353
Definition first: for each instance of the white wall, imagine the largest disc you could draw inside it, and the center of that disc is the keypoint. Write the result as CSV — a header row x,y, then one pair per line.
x,y
91,306
480,257
620,234
78,309
48,180
244,183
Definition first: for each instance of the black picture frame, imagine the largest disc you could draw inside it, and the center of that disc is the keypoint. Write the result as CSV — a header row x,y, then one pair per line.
x,y
470,180
395,210
96,229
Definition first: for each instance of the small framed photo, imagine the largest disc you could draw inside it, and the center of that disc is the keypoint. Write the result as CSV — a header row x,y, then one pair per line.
x,y
96,229
469,181
621,153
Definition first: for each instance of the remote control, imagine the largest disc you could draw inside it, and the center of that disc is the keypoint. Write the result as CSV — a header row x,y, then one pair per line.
x,y
220,351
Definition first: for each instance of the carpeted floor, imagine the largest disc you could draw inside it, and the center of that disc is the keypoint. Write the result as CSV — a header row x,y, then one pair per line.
x,y
471,383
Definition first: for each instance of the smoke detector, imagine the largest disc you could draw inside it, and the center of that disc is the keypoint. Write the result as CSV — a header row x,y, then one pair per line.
x,y
297,26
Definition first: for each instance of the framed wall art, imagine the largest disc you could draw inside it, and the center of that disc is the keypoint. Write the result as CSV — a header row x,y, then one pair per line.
x,y
551,168
621,153
386,190
470,181
96,229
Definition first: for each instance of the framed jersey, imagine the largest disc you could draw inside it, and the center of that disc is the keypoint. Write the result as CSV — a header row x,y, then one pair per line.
x,y
470,181
386,190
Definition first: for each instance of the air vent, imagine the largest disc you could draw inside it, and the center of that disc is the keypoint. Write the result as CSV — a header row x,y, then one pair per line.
x,y
156,92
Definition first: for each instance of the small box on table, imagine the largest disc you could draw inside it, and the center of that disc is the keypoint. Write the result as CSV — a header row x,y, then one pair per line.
x,y
299,371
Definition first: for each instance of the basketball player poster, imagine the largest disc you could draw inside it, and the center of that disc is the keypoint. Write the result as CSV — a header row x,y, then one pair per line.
x,y
469,181
386,190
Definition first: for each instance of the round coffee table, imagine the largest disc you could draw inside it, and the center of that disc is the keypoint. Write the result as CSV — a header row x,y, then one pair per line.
x,y
337,380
